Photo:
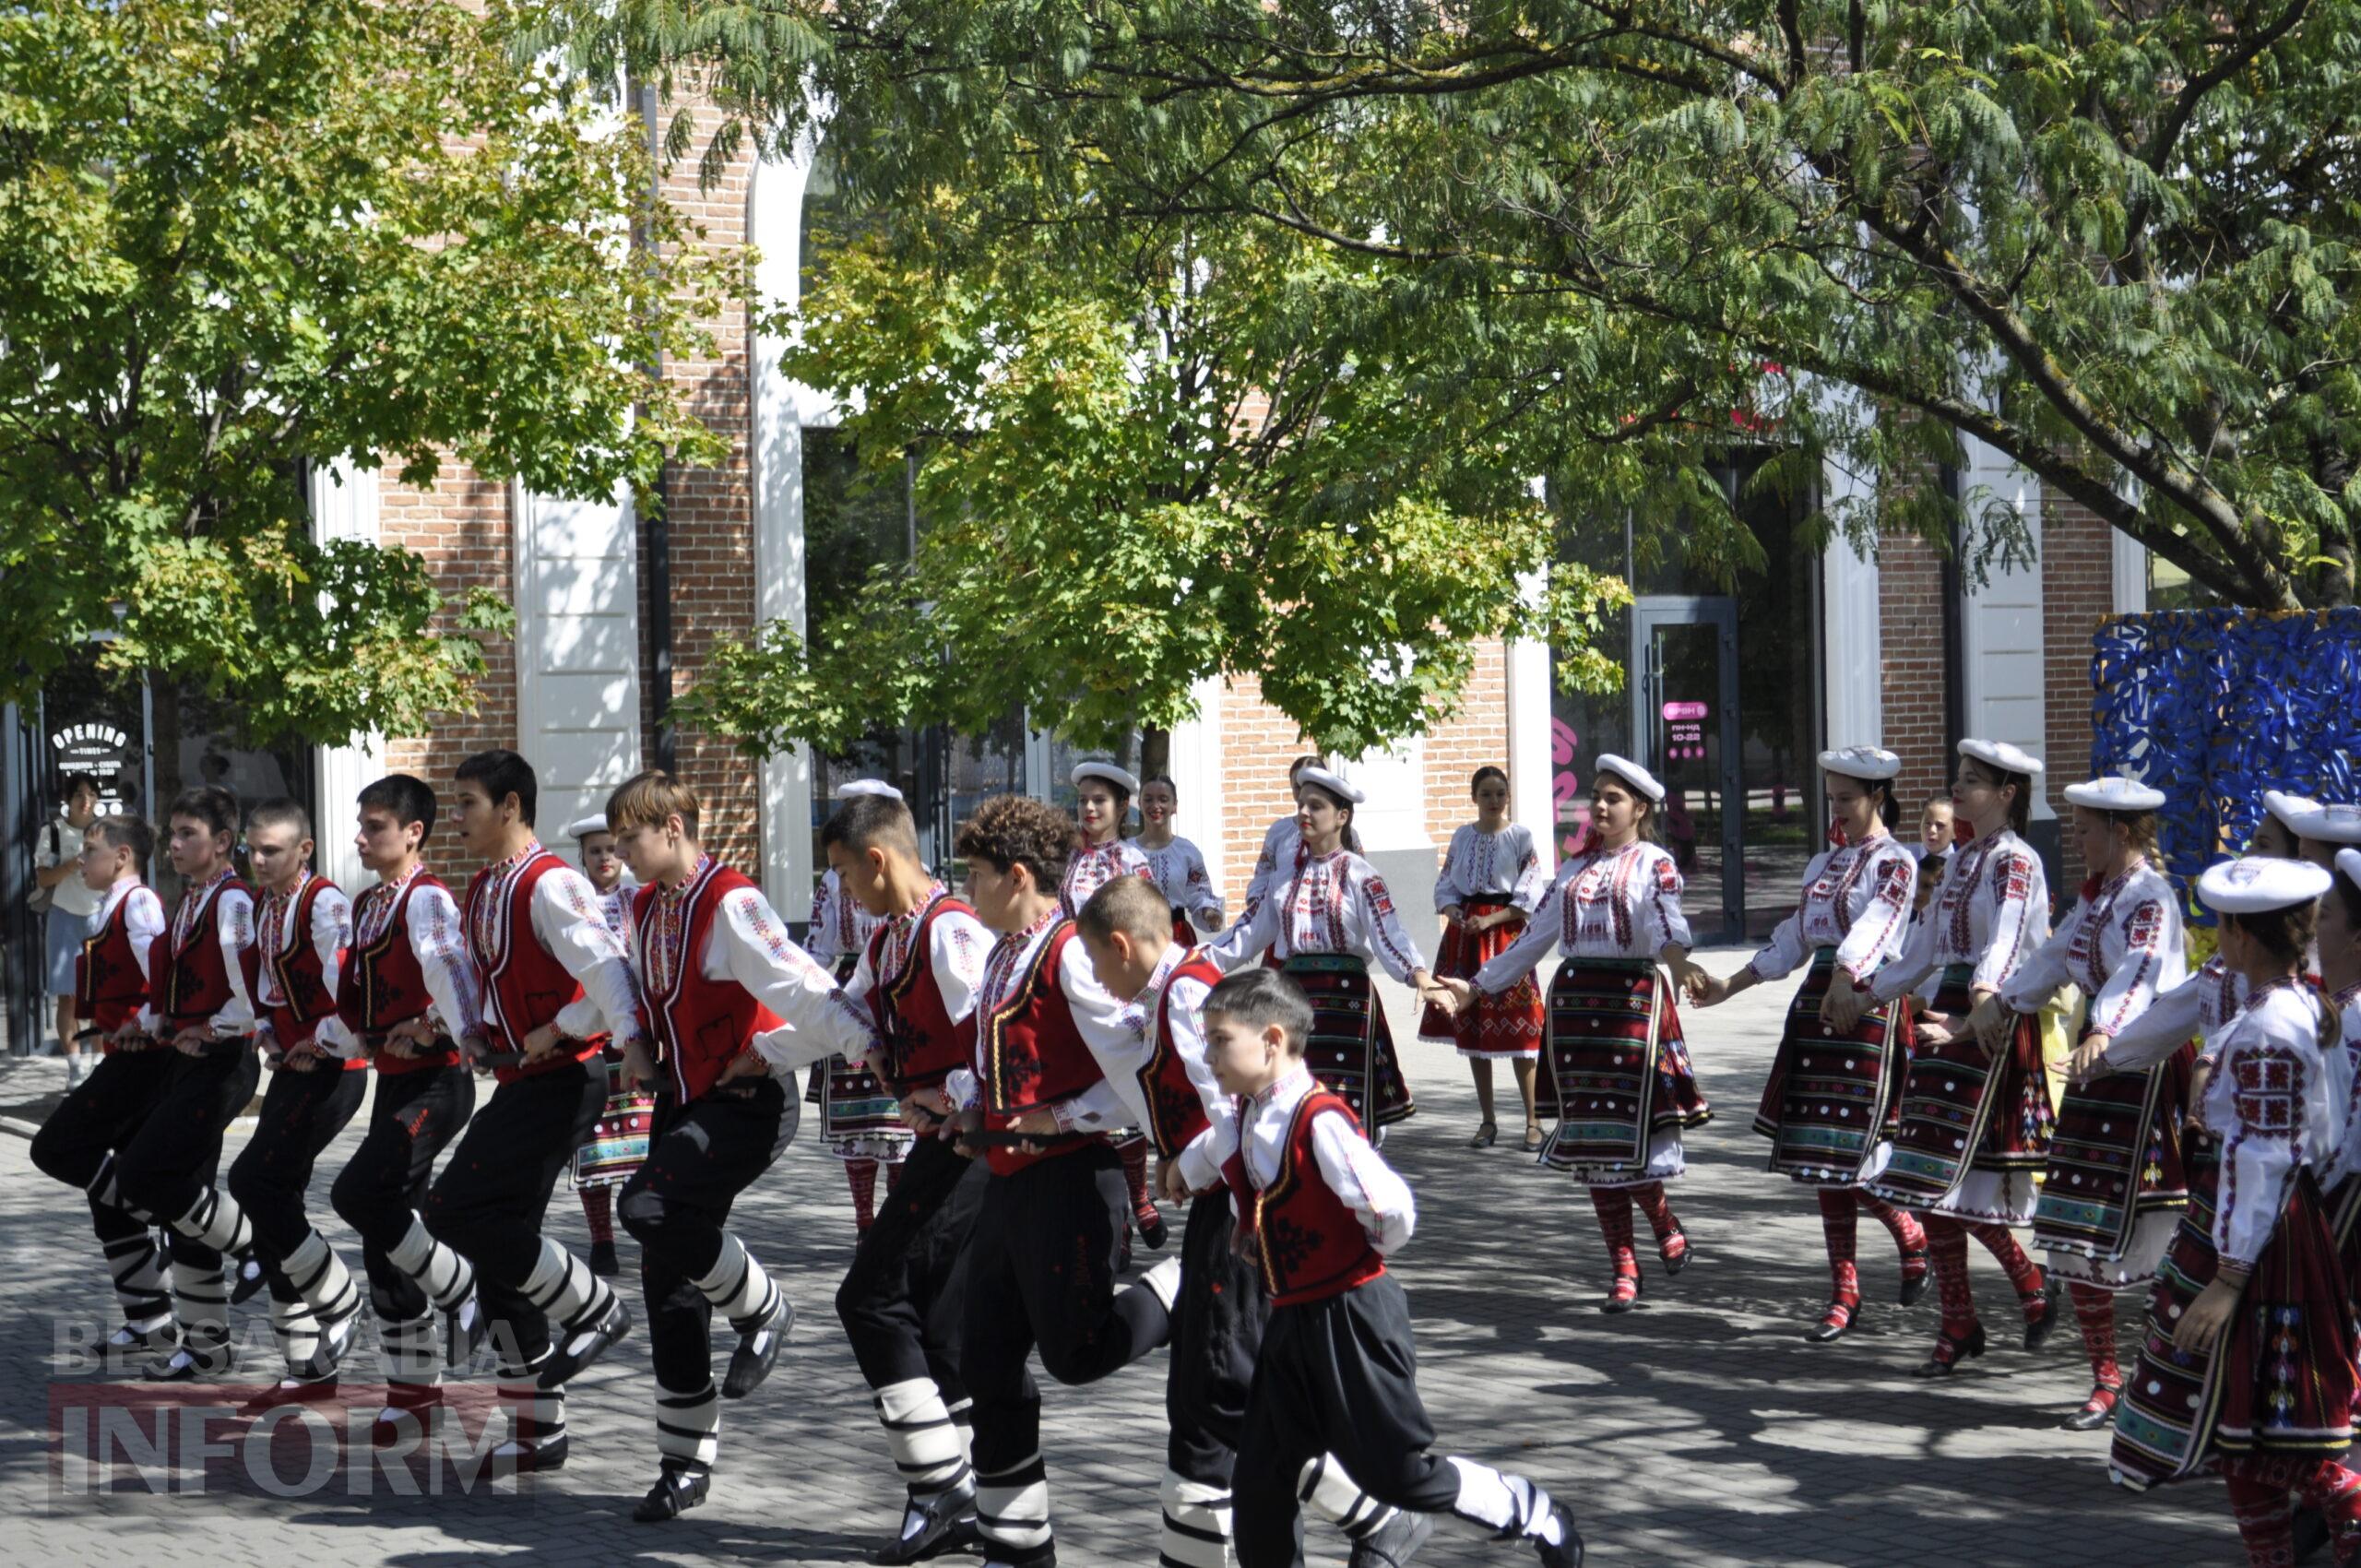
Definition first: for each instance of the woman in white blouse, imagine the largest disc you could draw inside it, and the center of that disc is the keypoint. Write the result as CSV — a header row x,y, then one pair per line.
x,y
1623,1087
1491,882
2247,1366
2115,1185
1175,865
1835,1093
1326,920
1975,1130
1282,845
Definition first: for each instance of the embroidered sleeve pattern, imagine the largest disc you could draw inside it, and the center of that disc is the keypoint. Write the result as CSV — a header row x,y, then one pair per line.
x,y
2267,1083
2131,989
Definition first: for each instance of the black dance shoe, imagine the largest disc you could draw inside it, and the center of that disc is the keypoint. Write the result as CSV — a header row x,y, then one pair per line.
x,y
1835,1322
1394,1543
1568,1551
289,1391
1913,1286
1950,1353
675,1492
2096,1411
758,1348
464,1328
1617,1299
515,1458
2039,1329
247,1276
586,1346
336,1338
939,1522
1152,1231
1674,1262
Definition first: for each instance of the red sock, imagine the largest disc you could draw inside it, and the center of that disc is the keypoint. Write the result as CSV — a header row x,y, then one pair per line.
x,y
1947,1244
1661,1219
2094,1309
599,1208
861,1176
1903,1226
1135,1155
1838,1215
2261,1510
1614,1207
2023,1273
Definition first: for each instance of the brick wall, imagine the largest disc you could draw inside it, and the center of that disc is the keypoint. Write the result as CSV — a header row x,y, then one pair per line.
x,y
2078,586
1910,619
1258,742
1476,734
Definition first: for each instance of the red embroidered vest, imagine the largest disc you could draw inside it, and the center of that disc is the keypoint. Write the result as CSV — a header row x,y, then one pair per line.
x,y
921,1040
1034,1055
1176,1110
1311,1243
700,1024
526,986
109,984
298,973
190,984
384,984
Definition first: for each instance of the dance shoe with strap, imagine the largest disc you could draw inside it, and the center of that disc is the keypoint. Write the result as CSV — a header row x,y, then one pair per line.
x,y
1949,1350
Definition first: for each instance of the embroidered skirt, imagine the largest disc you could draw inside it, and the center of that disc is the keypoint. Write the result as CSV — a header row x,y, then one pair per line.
x,y
2281,1379
860,1118
2115,1185
617,1145
1832,1102
1616,1074
1352,1046
1975,1130
1494,1028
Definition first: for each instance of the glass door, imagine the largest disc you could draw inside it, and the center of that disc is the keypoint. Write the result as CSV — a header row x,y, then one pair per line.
x,y
1684,711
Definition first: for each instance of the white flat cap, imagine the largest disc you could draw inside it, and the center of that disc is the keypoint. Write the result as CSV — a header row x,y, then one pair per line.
x,y
1334,783
2258,884
1106,770
582,827
2287,808
2348,862
860,787
2002,755
1861,762
2336,823
2114,794
1630,772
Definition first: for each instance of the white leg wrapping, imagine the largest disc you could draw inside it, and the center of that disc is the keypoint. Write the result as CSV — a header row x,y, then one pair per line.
x,y
688,1427
204,1303
103,1189
928,1447
445,1276
738,1287
1196,1524
1013,1508
563,1286
216,1221
535,1415
137,1265
414,1350
1163,1281
1509,1506
1327,1490
297,1328
321,1279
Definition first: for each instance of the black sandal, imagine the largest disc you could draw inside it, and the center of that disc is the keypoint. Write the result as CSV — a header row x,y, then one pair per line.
x,y
1487,1134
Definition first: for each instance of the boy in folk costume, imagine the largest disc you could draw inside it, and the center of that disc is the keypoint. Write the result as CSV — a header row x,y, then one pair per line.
x,y
408,1001
1334,1373
859,1118
902,1300
554,982
1055,1067
80,1143
618,1140
317,1084
1218,1318
725,993
202,977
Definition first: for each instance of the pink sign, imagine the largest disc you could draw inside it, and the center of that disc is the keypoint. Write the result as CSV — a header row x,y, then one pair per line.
x,y
1680,712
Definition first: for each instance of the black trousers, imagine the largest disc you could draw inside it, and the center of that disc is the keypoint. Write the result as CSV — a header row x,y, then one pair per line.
x,y
1216,1333
904,1298
176,1153
488,1204
700,1157
1335,1376
96,1120
302,1113
1041,1274
380,1189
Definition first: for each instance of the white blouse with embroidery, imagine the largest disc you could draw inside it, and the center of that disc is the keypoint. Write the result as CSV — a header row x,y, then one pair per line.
x,y
2269,1100
1331,903
1857,899
1500,867
568,923
840,927
1282,848
1991,910
1605,904
1179,872
2121,946
2195,1009
1093,866
1378,1198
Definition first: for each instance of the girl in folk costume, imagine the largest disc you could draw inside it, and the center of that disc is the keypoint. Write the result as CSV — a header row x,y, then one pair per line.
x,y
2340,950
83,1138
618,1140
1325,921
728,996
2248,1363
2115,1185
1491,882
1975,1127
1835,1094
1175,865
1282,845
861,1121
1102,799
1623,1086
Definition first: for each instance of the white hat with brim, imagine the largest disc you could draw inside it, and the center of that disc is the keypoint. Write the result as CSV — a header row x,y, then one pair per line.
x,y
1106,770
2001,755
1351,795
859,787
582,827
1874,763
2113,794
1630,772
2336,823
2348,864
2258,884
2288,808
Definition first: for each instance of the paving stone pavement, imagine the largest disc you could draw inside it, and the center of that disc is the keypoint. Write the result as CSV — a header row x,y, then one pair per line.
x,y
1699,1430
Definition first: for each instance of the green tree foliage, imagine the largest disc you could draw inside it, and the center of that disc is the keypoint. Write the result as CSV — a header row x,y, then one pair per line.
x,y
2115,242
244,236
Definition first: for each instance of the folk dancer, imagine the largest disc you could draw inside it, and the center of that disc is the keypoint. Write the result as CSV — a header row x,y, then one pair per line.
x,y
1103,794
860,1119
1493,880
1175,865
618,1140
